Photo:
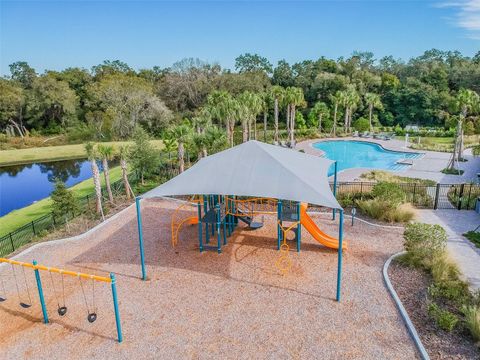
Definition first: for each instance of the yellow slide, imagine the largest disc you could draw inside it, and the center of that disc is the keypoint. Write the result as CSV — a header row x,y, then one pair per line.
x,y
318,234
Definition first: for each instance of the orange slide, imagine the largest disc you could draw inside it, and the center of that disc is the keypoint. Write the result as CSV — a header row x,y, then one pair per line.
x,y
317,234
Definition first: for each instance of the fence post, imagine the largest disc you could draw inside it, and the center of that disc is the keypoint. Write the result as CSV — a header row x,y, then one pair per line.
x,y
33,228
11,242
437,193
460,196
414,192
469,196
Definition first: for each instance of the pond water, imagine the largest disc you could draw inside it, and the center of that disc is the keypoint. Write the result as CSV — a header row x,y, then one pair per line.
x,y
22,185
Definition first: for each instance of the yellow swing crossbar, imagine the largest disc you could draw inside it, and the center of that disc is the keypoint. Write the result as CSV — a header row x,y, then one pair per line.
x,y
56,270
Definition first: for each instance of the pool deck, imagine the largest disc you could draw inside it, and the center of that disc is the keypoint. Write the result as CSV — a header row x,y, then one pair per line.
x,y
427,167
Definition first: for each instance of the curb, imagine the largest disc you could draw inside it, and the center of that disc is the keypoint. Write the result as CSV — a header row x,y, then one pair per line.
x,y
408,323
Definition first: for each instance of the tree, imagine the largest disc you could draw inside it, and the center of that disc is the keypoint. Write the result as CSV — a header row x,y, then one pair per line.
x,y
466,101
182,133
278,94
92,157
109,67
124,155
266,105
283,74
223,107
130,101
250,108
201,122
294,98
22,72
336,100
252,63
318,112
373,101
106,154
362,124
12,101
64,201
51,103
142,156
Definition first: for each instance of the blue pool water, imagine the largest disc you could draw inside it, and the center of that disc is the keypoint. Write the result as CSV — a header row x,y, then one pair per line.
x,y
359,154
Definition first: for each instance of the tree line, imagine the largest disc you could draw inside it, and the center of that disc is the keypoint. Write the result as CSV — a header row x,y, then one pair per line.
x,y
111,99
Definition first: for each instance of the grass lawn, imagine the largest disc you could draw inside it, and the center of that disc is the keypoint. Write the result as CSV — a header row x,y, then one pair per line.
x,y
17,218
474,237
52,153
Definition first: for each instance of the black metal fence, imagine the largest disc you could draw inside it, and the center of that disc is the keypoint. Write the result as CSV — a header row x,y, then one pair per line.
x,y
439,196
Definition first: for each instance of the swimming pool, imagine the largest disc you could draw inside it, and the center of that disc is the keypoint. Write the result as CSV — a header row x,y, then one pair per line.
x,y
360,154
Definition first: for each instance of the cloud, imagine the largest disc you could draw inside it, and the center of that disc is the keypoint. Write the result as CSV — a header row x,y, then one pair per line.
x,y
467,15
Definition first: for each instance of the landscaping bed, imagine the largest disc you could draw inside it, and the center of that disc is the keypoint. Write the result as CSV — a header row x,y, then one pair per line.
x,y
411,285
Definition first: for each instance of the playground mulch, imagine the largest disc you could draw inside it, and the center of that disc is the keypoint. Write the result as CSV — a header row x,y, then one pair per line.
x,y
230,305
411,286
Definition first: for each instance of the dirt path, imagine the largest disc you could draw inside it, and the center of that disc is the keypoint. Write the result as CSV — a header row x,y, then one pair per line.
x,y
232,305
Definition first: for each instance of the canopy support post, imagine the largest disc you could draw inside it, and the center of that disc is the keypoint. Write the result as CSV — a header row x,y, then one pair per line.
x,y
279,223
140,237
299,228
200,226
334,187
340,255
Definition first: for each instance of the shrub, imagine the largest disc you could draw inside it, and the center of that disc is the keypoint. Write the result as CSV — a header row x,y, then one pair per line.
x,y
443,269
361,124
423,242
387,211
390,192
443,318
472,320
64,201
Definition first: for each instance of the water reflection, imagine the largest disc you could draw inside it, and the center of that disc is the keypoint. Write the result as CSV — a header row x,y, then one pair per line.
x,y
21,185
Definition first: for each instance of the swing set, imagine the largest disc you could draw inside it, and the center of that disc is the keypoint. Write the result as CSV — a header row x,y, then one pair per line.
x,y
60,295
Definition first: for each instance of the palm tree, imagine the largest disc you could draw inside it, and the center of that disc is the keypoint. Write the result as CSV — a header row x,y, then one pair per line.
x,y
91,155
182,134
352,101
106,153
321,109
278,94
466,101
374,101
294,97
223,107
123,165
266,103
251,106
336,100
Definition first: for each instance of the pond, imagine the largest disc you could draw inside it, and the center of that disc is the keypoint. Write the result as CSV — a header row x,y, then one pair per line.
x,y
22,185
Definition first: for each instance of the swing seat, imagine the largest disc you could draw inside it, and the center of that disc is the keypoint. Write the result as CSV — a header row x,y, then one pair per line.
x,y
92,317
62,310
25,306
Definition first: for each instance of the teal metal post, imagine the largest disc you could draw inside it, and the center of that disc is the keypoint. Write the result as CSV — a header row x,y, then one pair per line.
x,y
140,237
335,187
299,228
340,254
219,241
279,228
200,226
40,294
115,307
205,210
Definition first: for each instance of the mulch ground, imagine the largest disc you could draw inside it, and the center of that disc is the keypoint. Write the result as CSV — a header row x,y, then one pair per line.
x,y
411,286
207,305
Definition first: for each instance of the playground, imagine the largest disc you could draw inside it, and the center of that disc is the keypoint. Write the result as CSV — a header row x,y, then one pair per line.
x,y
198,305
258,274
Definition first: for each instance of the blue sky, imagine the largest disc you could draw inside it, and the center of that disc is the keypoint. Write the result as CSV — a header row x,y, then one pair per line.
x,y
60,34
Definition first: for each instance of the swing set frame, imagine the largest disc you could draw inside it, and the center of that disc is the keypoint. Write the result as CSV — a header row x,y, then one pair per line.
x,y
37,268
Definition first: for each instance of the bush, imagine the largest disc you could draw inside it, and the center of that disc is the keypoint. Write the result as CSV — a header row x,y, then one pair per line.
x,y
424,242
472,320
390,192
361,124
64,201
443,318
386,211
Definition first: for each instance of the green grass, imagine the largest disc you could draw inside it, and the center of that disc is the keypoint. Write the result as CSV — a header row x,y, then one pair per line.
x,y
53,153
474,237
452,171
17,218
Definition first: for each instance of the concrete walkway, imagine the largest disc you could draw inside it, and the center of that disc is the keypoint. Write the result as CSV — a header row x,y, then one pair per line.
x,y
462,251
428,166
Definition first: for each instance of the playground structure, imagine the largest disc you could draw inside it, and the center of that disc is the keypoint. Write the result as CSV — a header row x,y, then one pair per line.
x,y
62,308
221,214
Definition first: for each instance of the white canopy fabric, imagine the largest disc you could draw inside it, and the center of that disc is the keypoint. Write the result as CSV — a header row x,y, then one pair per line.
x,y
259,170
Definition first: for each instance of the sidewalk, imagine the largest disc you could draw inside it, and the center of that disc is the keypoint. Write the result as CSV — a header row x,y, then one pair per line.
x,y
462,251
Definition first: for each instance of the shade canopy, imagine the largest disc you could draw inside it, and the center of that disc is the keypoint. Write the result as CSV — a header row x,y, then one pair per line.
x,y
259,170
